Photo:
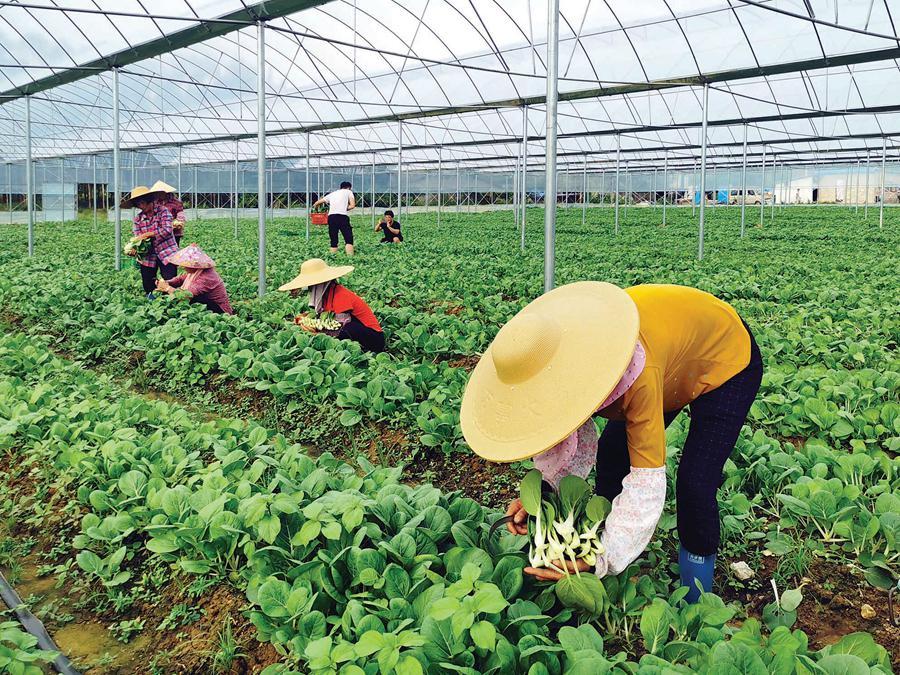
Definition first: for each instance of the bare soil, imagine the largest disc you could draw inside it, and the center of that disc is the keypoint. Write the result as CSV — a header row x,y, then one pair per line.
x,y
84,635
832,601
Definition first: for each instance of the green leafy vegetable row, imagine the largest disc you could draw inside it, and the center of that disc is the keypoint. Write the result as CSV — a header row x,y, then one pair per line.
x,y
349,570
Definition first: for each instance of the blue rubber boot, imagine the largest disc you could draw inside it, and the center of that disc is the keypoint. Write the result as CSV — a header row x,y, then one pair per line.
x,y
696,568
151,296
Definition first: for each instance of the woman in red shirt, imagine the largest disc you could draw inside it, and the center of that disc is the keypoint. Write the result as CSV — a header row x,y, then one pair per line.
x,y
358,322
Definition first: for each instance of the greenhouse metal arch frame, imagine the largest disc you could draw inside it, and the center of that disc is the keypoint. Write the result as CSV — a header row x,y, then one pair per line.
x,y
808,72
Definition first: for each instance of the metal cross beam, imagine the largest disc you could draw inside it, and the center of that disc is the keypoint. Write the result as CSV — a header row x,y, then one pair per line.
x,y
204,30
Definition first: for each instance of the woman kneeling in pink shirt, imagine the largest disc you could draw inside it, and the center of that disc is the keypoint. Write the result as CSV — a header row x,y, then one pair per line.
x,y
200,279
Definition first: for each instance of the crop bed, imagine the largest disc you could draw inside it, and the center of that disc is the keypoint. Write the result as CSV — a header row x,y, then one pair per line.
x,y
330,562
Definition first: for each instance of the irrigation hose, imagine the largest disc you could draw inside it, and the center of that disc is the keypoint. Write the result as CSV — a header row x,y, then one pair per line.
x,y
33,625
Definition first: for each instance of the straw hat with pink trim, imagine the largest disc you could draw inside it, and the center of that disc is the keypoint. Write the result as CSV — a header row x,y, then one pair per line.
x,y
192,256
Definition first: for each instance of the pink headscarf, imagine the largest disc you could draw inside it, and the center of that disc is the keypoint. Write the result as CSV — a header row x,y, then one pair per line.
x,y
575,454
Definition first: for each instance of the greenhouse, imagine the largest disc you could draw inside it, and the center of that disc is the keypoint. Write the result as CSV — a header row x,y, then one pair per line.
x,y
450,336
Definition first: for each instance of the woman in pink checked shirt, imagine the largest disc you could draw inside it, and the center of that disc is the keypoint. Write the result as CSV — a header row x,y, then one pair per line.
x,y
153,221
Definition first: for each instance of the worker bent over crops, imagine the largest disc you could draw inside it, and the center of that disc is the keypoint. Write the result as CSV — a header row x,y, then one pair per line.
x,y
636,357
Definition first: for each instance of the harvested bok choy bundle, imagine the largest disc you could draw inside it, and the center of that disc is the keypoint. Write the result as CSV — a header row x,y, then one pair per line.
x,y
564,525
325,321
137,247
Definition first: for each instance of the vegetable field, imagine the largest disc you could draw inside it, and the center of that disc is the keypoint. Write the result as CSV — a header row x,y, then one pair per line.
x,y
190,492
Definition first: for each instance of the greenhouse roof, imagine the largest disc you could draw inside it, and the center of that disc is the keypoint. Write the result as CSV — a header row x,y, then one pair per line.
x,y
810,79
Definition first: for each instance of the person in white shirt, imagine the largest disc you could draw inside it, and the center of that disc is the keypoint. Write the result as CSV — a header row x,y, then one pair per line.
x,y
340,202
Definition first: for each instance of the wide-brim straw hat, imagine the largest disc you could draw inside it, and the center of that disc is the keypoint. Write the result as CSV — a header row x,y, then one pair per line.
x,y
160,186
548,370
192,256
139,191
315,271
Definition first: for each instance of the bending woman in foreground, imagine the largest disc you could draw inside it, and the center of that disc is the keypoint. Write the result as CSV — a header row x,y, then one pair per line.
x,y
636,357
357,320
200,280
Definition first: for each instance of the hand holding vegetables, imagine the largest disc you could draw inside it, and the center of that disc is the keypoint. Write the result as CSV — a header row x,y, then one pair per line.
x,y
563,526
519,517
550,574
138,246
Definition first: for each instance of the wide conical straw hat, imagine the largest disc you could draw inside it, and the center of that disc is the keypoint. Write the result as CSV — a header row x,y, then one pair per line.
x,y
160,186
548,370
315,271
139,191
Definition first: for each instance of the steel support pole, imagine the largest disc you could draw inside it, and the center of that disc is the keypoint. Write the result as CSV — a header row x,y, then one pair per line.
x,y
703,135
9,188
373,190
94,189
440,176
308,204
627,191
550,173
600,187
881,205
236,169
117,169
665,185
856,191
523,200
694,202
457,186
744,185
399,169
762,191
868,171
618,163
774,189
289,201
261,150
194,187
62,190
846,187
29,179
515,193
584,193
178,174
